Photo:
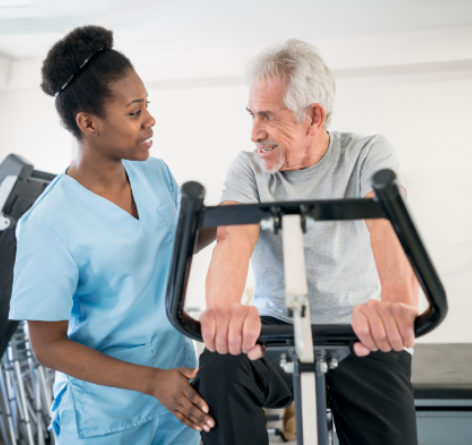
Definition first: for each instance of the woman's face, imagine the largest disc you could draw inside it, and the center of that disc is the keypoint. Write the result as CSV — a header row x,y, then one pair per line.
x,y
126,130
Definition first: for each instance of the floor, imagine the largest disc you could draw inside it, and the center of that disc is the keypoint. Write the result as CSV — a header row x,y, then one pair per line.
x,y
274,439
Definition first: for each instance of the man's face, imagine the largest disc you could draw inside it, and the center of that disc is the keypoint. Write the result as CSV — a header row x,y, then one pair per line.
x,y
281,143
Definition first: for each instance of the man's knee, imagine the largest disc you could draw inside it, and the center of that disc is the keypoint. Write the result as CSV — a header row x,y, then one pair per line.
x,y
224,374
224,367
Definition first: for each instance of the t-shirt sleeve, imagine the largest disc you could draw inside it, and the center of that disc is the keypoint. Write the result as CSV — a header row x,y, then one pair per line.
x,y
380,155
240,182
45,275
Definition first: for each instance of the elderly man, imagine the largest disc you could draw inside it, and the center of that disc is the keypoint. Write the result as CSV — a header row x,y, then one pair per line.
x,y
357,272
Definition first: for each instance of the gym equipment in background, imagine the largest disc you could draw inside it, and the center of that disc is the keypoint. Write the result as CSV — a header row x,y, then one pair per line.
x,y
305,350
26,389
26,386
20,186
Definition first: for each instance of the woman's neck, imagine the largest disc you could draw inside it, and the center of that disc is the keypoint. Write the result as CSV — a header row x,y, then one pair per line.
x,y
97,172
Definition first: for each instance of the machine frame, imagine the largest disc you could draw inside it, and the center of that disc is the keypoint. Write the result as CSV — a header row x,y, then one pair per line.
x,y
331,343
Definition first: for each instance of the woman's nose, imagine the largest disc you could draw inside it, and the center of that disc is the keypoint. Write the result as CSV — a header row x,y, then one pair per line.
x,y
149,122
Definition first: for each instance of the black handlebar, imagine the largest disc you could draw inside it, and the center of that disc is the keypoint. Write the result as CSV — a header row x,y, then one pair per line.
x,y
388,203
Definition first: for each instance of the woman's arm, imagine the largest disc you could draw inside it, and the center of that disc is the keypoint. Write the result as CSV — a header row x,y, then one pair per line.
x,y
53,349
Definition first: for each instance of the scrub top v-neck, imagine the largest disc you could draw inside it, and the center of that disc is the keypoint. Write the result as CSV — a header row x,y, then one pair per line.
x,y
82,258
101,197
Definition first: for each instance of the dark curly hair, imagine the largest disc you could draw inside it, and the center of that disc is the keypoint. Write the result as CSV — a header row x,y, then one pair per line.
x,y
89,89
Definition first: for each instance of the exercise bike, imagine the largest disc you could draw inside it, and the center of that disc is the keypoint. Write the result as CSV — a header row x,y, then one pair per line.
x,y
307,351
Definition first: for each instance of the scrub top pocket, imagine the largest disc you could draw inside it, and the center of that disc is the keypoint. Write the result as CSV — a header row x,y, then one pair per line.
x,y
168,213
103,410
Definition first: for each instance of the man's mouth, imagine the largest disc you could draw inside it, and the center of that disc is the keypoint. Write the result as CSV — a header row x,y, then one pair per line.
x,y
263,149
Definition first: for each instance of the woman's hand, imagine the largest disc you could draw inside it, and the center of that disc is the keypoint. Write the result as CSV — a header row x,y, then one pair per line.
x,y
173,389
53,349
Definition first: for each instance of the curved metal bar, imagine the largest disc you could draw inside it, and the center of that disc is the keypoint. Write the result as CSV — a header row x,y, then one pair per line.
x,y
393,204
390,203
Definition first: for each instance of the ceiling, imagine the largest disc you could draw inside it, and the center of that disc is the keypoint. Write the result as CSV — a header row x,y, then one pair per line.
x,y
28,28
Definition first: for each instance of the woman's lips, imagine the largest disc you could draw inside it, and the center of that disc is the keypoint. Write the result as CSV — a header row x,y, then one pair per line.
x,y
147,142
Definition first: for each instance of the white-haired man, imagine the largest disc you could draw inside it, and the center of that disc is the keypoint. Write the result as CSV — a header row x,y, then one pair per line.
x,y
357,271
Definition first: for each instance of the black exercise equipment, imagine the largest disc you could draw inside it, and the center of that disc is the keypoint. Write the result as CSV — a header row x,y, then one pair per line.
x,y
20,186
331,343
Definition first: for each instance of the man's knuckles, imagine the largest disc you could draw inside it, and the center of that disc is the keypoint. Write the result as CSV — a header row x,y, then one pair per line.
x,y
362,330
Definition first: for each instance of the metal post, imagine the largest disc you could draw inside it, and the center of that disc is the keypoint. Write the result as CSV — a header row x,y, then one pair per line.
x,y
6,408
296,299
6,403
23,401
297,394
321,402
12,401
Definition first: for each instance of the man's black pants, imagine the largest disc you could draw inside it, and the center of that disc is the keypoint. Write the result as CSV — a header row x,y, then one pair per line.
x,y
371,397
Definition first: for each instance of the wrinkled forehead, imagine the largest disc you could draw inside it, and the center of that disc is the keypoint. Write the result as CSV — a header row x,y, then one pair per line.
x,y
267,93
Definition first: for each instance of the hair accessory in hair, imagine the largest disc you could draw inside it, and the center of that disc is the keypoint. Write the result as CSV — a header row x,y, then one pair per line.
x,y
75,74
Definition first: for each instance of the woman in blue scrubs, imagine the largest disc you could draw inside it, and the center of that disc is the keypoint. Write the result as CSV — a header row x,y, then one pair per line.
x,y
93,258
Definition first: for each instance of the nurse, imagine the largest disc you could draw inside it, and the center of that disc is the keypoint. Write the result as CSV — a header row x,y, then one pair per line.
x,y
93,258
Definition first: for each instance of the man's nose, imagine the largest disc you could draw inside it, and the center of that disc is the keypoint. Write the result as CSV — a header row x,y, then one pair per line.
x,y
258,132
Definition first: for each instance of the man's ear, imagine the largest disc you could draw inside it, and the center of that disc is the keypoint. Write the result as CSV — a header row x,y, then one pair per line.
x,y
317,116
87,123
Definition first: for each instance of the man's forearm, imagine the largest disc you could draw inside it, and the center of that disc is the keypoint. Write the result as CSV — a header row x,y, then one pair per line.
x,y
398,281
229,265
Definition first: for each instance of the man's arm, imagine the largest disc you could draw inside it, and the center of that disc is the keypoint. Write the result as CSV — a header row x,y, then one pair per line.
x,y
387,324
205,237
227,325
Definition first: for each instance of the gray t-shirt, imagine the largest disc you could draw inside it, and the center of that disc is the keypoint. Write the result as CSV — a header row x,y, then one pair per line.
x,y
340,265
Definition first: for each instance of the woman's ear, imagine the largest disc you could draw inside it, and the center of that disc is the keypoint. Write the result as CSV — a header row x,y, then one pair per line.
x,y
87,123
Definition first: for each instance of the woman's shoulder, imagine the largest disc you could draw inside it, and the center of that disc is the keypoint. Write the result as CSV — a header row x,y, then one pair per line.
x,y
51,205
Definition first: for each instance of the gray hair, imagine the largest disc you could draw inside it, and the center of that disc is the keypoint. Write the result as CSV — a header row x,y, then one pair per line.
x,y
298,63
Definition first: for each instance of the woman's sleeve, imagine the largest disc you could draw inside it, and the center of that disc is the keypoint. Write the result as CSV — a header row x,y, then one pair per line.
x,y
45,275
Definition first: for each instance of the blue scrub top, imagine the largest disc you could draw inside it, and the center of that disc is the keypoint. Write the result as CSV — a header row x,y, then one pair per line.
x,y
84,259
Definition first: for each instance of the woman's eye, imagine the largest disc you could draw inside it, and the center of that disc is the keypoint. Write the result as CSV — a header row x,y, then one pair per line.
x,y
147,103
136,113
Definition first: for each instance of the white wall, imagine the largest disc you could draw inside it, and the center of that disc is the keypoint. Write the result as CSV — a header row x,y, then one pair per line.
x,y
200,130
29,126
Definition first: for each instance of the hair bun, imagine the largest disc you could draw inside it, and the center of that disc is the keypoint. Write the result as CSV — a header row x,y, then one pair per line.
x,y
65,58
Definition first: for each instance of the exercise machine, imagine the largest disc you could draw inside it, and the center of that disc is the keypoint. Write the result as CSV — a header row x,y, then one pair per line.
x,y
306,350
20,186
25,385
